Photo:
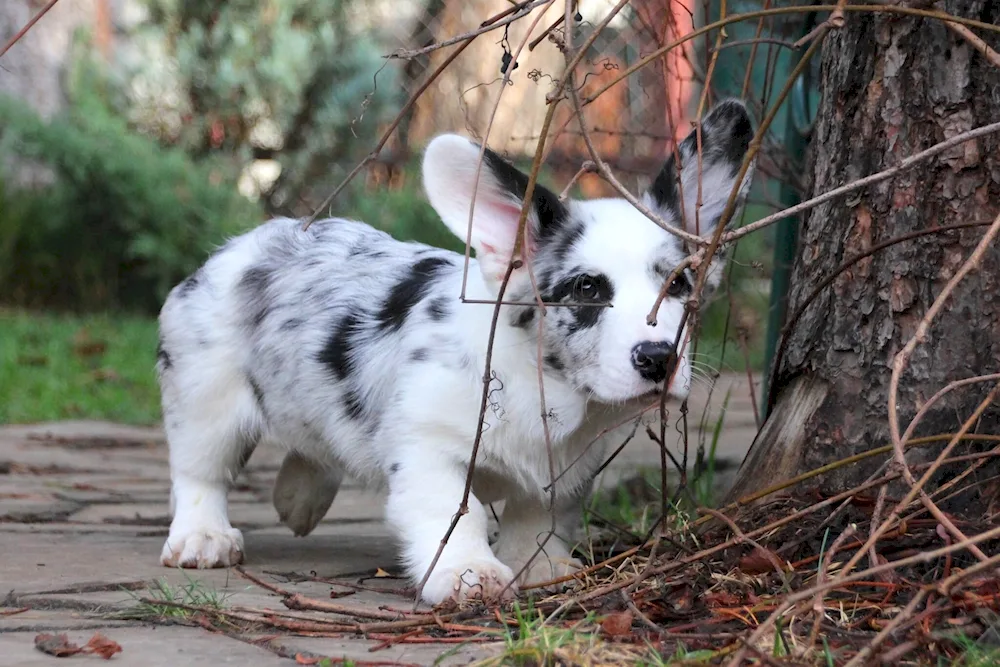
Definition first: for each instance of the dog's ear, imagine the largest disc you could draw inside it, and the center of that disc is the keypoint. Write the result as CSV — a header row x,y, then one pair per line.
x,y
725,137
449,169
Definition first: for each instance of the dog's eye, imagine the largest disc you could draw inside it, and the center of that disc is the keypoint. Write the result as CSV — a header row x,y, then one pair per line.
x,y
586,288
679,285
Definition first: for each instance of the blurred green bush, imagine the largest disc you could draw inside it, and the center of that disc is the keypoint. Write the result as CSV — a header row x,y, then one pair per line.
x,y
122,220
144,163
125,219
404,213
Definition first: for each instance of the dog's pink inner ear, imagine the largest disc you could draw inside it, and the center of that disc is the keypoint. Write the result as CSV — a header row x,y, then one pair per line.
x,y
497,236
499,232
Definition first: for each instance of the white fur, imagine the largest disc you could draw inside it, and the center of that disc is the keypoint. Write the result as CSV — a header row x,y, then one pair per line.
x,y
352,351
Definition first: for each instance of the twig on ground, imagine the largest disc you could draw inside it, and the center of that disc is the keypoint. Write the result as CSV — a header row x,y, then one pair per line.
x,y
263,584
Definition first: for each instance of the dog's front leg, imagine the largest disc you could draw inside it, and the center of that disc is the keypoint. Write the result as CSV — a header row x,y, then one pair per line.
x,y
524,536
425,492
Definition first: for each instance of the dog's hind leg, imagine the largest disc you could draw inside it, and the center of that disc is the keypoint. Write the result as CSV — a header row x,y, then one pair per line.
x,y
304,491
213,422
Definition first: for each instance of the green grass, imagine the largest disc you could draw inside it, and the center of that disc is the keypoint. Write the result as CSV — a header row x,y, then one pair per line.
x,y
56,367
533,642
972,653
537,640
192,593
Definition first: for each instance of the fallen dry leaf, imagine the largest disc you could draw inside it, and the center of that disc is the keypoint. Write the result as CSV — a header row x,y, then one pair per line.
x,y
102,646
105,375
618,624
379,572
57,645
722,599
90,349
682,598
85,346
759,562
61,647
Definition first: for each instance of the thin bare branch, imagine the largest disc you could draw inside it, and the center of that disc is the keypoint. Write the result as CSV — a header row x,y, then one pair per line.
x,y
504,18
23,31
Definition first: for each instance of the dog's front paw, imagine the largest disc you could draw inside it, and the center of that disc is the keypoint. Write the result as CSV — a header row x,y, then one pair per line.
x,y
203,549
553,561
546,569
486,580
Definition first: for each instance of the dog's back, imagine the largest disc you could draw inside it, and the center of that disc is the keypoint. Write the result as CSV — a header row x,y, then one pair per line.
x,y
297,334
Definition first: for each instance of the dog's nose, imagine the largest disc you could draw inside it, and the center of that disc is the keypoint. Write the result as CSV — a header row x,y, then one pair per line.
x,y
652,360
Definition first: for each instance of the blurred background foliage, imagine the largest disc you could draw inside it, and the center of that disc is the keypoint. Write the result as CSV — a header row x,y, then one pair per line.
x,y
225,114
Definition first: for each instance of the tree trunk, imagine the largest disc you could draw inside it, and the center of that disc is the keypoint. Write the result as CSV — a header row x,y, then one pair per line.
x,y
892,86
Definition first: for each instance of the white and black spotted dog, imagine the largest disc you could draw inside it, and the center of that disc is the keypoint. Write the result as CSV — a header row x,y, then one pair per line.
x,y
352,350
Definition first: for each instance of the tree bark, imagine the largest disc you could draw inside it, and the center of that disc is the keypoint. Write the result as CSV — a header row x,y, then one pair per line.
x,y
892,86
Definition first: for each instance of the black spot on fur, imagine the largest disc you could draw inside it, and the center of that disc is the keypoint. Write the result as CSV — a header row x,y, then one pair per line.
x,y
554,362
408,292
524,318
248,449
260,315
420,354
664,188
339,348
256,280
587,316
564,242
394,468
190,283
438,309
254,284
551,213
353,406
292,324
162,357
257,393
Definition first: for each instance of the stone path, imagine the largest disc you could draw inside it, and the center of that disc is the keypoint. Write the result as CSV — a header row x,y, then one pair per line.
x,y
83,515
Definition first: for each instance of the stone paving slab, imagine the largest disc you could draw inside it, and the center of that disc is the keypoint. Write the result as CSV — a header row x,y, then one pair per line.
x,y
55,620
84,511
145,647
